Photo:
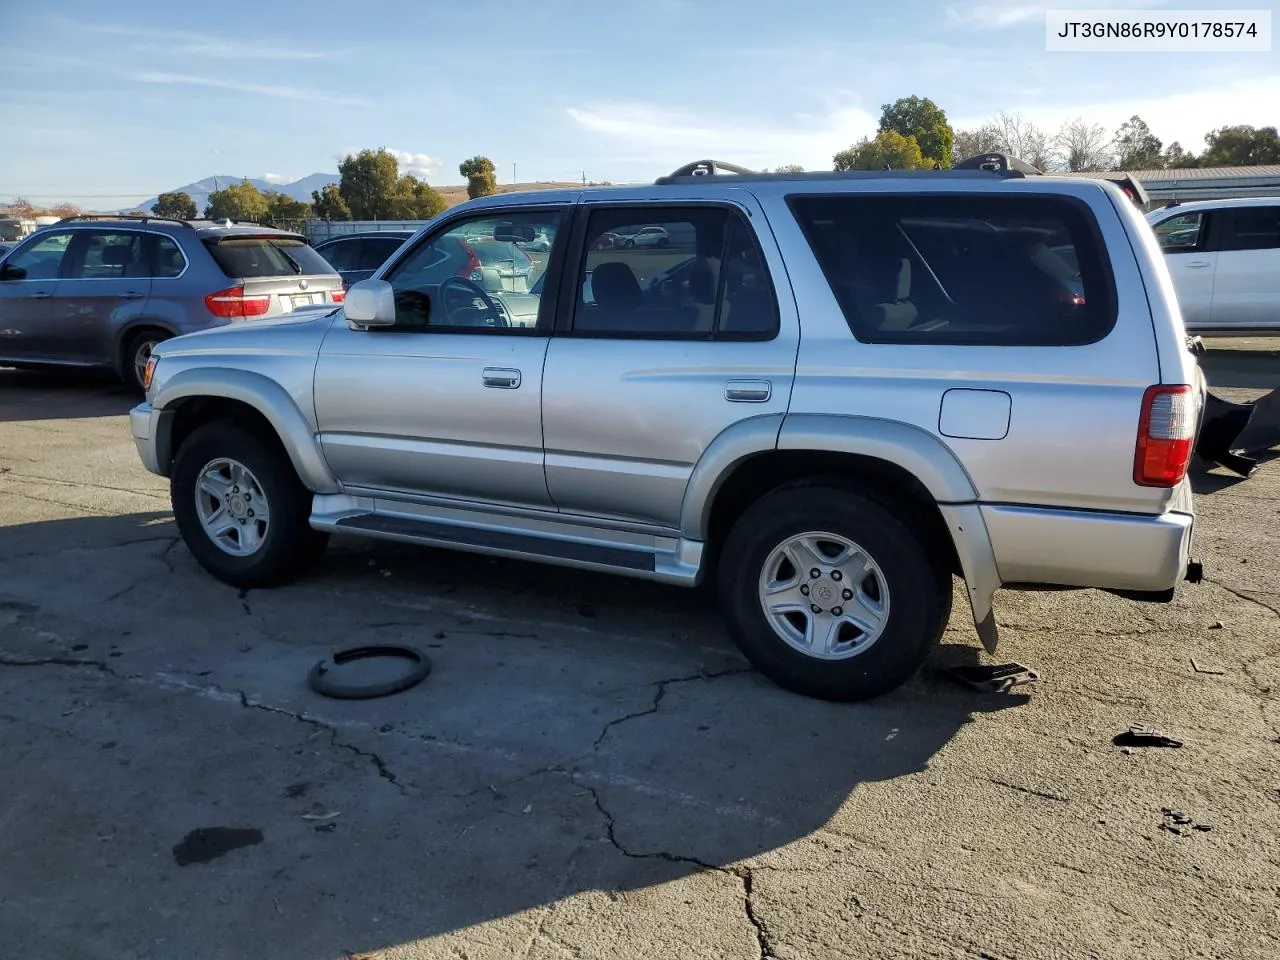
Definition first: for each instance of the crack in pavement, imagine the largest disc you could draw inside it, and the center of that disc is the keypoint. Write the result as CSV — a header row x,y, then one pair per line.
x,y
659,692
6,660
48,552
1045,794
87,486
1244,596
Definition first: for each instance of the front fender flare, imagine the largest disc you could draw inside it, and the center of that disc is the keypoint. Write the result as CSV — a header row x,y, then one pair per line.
x,y
262,394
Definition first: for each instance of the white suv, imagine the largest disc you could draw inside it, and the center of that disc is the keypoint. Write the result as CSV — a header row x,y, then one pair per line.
x,y
1224,256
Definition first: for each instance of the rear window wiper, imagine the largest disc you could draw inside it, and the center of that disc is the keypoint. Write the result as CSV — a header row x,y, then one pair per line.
x,y
297,267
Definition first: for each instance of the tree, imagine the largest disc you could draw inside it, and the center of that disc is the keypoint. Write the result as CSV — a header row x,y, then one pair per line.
x,y
482,179
925,121
888,148
1023,139
1175,158
1241,146
970,143
240,201
22,207
1136,148
327,204
416,200
176,206
65,210
370,181
281,207
1080,146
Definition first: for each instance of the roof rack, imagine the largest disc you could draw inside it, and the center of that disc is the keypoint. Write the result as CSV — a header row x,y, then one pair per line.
x,y
983,166
123,216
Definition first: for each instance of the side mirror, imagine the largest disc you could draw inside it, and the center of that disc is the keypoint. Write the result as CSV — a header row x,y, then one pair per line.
x,y
514,232
370,303
9,272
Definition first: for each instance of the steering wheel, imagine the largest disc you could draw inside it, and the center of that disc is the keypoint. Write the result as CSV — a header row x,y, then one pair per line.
x,y
459,293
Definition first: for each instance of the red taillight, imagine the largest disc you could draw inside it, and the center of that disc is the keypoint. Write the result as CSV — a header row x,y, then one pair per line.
x,y
338,295
1166,433
234,302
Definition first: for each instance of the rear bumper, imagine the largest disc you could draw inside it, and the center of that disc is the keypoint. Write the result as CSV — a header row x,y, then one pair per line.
x,y
142,424
1084,548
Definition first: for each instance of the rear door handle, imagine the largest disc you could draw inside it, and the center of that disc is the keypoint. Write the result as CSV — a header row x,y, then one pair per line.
x,y
131,295
502,378
748,391
41,295
1198,264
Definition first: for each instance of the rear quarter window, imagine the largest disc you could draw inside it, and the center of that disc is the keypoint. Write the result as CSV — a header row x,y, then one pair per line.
x,y
962,269
245,257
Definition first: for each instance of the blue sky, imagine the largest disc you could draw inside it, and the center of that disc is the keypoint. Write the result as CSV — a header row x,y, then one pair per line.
x,y
106,104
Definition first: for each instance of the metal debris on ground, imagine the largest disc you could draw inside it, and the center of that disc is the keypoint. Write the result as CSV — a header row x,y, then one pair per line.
x,y
1199,667
993,678
322,678
1143,735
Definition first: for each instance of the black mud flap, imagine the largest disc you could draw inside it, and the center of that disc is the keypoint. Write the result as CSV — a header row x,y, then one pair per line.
x,y
1231,433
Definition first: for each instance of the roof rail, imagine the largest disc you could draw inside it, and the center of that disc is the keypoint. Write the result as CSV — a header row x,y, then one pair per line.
x,y
123,216
1004,168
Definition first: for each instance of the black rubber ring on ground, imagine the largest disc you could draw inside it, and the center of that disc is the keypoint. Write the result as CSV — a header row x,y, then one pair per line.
x,y
322,682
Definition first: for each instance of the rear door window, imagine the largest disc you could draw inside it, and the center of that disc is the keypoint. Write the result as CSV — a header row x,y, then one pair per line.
x,y
1247,228
374,252
250,257
342,255
998,270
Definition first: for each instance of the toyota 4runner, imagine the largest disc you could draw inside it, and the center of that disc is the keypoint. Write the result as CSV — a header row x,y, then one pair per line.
x,y
827,393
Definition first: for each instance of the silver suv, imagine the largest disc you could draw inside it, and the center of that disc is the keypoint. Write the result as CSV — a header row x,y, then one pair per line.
x,y
829,393
102,291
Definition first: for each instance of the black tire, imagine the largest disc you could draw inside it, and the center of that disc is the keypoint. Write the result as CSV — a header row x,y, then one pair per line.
x,y
919,590
289,544
136,351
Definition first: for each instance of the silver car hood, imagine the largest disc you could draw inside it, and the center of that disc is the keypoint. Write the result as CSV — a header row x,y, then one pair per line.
x,y
302,330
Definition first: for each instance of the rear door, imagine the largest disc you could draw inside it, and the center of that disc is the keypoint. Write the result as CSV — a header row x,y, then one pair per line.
x,y
106,283
1246,292
28,281
650,364
1184,238
282,271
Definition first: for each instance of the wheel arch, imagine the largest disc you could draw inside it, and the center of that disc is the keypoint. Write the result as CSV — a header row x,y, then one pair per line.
x,y
192,398
126,334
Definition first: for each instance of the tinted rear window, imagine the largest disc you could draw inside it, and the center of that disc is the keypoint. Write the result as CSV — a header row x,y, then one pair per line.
x,y
497,251
266,257
1009,271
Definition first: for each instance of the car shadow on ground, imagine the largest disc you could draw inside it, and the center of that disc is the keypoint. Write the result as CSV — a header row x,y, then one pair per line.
x,y
654,769
58,395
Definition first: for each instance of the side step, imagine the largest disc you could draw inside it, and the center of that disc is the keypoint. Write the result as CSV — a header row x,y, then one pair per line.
x,y
495,541
544,539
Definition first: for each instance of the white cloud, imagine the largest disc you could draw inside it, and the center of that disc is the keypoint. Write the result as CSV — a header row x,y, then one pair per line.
x,y
276,178
1185,117
260,89
1012,13
206,45
418,164
675,136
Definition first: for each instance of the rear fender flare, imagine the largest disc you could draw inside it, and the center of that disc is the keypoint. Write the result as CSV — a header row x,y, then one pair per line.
x,y
262,394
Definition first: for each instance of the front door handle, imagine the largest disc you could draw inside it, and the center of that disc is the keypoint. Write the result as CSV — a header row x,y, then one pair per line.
x,y
502,378
131,295
42,295
1198,264
748,391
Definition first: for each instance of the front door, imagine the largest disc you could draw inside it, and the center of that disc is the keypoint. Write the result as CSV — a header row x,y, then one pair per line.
x,y
447,402
1192,265
659,348
106,283
27,284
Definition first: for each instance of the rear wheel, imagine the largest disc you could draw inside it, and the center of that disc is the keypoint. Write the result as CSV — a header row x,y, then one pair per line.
x,y
830,594
137,353
241,508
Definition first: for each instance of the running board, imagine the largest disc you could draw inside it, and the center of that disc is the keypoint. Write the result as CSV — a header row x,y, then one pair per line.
x,y
664,559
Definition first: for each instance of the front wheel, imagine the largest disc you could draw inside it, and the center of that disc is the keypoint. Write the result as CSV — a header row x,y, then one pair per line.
x,y
138,353
830,595
241,508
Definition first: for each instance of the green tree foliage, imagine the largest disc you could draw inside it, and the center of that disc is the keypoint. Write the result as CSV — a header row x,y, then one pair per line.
x,y
923,120
1241,146
899,152
327,204
1175,158
1136,147
240,201
370,182
788,168
482,176
176,206
416,200
282,207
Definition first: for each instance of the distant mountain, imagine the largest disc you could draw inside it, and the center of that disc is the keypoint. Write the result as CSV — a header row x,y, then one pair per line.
x,y
199,190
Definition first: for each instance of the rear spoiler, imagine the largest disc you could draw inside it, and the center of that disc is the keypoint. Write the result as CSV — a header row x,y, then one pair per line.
x,y
1002,162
